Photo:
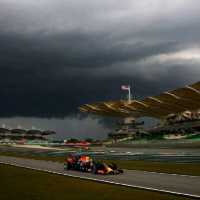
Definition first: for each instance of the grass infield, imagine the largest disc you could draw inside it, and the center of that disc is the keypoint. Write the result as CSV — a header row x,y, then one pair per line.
x,y
23,184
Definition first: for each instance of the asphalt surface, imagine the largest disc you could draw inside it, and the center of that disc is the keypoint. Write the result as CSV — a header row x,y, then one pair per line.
x,y
171,183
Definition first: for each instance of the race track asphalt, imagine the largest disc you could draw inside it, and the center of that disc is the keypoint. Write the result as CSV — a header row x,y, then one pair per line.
x,y
170,183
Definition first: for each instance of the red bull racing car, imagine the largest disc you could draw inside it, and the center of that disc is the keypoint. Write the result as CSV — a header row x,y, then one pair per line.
x,y
85,163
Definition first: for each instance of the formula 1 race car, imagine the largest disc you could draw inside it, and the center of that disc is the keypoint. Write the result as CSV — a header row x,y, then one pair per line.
x,y
85,163
78,162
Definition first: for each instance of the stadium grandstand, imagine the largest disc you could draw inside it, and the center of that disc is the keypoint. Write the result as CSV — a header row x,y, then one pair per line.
x,y
178,111
18,135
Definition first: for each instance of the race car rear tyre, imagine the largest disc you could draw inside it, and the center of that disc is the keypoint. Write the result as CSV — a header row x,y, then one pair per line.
x,y
67,166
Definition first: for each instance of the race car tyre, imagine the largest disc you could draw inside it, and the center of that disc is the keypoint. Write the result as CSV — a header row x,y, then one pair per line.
x,y
111,173
94,169
65,166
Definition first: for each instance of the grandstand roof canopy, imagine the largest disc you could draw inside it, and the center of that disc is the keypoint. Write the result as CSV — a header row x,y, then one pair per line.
x,y
26,132
175,101
19,131
4,130
34,131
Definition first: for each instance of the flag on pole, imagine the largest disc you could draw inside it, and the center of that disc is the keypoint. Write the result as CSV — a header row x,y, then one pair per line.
x,y
125,87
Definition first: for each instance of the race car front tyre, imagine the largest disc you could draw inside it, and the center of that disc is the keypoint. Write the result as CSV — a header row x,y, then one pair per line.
x,y
111,173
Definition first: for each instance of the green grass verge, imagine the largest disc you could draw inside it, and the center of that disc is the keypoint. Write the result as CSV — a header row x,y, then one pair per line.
x,y
23,184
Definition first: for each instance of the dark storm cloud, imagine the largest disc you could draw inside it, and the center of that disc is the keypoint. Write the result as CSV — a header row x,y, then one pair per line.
x,y
53,77
55,56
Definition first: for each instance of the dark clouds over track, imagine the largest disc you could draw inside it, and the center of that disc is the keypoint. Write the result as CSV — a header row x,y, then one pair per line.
x,y
56,56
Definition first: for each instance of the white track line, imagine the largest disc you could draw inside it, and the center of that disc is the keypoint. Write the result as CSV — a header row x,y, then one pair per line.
x,y
102,181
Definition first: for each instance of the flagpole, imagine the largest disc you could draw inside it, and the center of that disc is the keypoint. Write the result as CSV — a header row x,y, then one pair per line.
x,y
129,94
127,87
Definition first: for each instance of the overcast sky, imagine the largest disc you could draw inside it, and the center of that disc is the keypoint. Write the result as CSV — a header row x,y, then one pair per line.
x,y
57,55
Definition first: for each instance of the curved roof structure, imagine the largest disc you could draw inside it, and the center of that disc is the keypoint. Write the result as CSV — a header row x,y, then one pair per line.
x,y
34,132
18,131
48,132
4,130
175,101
